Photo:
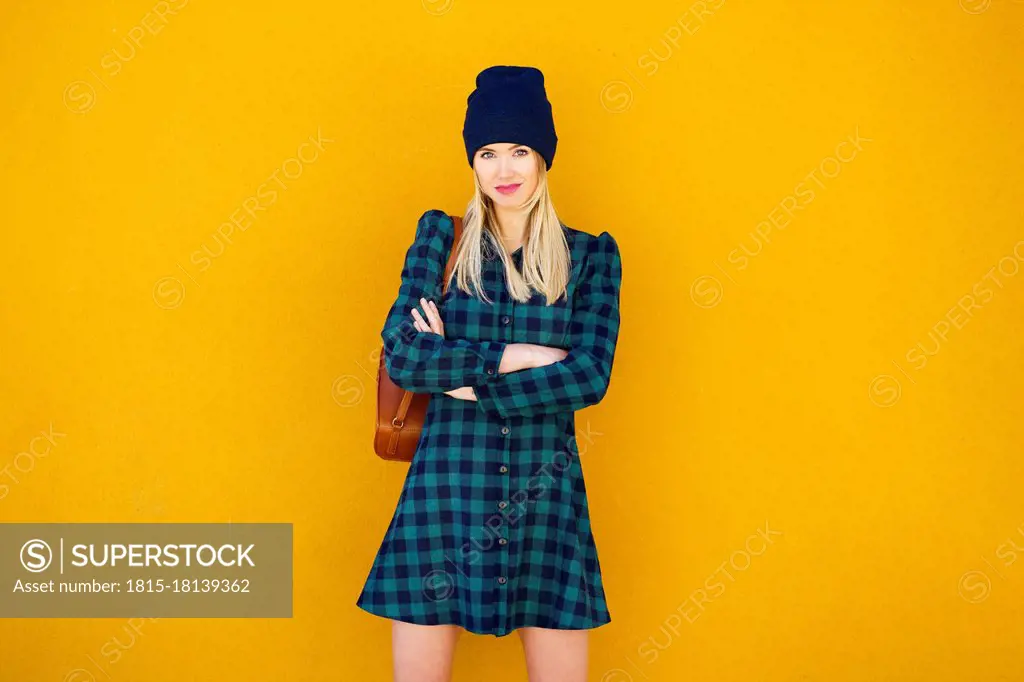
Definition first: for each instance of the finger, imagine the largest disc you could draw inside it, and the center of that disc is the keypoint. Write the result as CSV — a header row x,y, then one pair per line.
x,y
418,321
433,319
437,316
424,325
426,310
440,322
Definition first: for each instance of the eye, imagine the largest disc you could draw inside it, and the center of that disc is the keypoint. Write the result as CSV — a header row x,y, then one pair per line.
x,y
524,151
483,155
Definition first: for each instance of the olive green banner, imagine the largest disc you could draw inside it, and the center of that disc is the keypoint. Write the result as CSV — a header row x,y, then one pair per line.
x,y
154,570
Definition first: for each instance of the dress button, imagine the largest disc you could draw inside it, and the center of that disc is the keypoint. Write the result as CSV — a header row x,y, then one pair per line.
x,y
504,429
502,580
505,319
502,541
490,370
503,469
502,504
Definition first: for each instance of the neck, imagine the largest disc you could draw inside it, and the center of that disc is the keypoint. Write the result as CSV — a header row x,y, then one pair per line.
x,y
512,224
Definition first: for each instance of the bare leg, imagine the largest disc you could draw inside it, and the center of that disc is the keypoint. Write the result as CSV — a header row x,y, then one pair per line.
x,y
423,653
555,655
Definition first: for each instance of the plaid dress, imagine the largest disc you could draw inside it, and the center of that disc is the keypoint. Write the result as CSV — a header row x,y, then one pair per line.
x,y
492,531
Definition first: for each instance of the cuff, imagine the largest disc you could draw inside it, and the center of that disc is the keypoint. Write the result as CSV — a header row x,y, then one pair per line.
x,y
492,352
485,390
487,401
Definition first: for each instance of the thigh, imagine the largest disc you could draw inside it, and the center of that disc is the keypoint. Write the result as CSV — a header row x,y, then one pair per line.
x,y
423,653
555,655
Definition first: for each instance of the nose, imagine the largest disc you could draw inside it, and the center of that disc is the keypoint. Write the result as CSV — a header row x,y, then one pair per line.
x,y
505,168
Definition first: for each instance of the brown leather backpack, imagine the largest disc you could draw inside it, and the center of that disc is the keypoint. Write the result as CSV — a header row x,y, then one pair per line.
x,y
400,413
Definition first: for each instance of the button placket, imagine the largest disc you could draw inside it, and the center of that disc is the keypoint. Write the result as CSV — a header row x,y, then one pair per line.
x,y
505,490
502,555
504,528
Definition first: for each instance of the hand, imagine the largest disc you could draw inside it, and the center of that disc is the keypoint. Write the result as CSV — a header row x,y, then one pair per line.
x,y
432,323
463,393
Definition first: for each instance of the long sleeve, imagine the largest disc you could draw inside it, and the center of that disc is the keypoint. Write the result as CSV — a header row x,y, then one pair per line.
x,y
581,379
424,362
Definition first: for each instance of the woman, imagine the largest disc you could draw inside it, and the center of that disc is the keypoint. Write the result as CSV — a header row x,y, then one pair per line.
x,y
492,533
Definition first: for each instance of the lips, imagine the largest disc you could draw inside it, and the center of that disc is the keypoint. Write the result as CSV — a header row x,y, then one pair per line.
x,y
507,189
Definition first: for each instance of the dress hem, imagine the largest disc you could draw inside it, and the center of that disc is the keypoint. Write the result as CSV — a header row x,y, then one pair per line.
x,y
496,633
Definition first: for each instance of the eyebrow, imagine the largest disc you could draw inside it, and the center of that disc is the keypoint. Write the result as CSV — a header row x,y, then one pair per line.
x,y
514,147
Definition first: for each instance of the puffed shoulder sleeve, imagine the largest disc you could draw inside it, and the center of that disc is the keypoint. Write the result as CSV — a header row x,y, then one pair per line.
x,y
425,362
581,379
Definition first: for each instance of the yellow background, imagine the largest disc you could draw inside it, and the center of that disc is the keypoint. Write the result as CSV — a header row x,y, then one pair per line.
x,y
830,390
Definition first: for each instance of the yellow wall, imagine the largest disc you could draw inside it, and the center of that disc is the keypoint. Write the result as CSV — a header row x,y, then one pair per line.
x,y
784,394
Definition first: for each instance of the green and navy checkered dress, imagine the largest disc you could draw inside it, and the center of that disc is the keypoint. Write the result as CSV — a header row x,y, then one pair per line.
x,y
492,529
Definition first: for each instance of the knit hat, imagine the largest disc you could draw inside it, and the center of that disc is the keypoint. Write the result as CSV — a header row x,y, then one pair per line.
x,y
510,105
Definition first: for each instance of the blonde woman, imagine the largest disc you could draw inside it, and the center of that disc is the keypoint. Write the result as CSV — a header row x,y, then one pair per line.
x,y
491,533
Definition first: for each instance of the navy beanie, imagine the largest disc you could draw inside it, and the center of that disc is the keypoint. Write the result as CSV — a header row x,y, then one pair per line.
x,y
510,105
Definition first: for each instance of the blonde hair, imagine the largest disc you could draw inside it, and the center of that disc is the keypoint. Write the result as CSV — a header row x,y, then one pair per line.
x,y
545,258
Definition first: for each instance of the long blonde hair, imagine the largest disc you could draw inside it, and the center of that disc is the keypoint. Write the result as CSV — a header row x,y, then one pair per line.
x,y
545,258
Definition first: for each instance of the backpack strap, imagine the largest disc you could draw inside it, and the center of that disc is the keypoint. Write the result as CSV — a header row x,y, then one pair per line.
x,y
451,255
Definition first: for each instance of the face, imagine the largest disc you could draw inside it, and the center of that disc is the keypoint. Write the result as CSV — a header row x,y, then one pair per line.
x,y
507,172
